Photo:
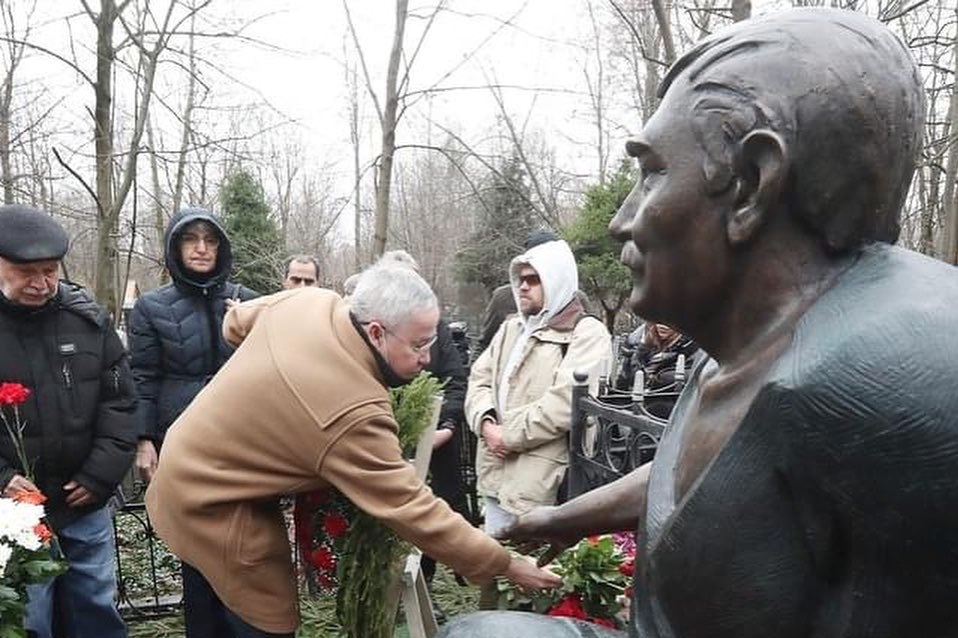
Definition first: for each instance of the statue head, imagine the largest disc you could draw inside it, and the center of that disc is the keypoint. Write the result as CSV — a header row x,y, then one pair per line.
x,y
812,113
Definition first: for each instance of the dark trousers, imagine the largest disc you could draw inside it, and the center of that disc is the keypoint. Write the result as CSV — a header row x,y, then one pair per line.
x,y
204,613
446,484
242,629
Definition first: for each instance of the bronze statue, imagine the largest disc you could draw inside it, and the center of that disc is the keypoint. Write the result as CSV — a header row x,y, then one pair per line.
x,y
808,482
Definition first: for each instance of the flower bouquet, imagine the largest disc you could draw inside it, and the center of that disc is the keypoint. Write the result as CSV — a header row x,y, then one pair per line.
x,y
28,551
25,557
595,574
347,551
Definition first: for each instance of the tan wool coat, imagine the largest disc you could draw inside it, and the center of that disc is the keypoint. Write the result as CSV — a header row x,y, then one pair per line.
x,y
538,414
300,406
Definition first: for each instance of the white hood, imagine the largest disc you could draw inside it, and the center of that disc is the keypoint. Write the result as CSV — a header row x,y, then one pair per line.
x,y
555,264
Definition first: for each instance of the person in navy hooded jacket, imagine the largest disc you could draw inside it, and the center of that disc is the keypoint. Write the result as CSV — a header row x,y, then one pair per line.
x,y
176,346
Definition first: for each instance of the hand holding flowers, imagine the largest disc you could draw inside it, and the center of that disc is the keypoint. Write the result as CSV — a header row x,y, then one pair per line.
x,y
27,544
596,574
25,557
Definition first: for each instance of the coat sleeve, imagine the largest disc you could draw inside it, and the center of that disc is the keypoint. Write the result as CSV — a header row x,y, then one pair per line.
x,y
240,319
247,294
528,426
146,361
366,465
449,368
480,395
114,432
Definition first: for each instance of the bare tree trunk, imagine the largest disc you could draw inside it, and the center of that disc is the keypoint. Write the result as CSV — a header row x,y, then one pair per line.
x,y
106,251
597,96
187,126
6,172
159,219
385,166
110,197
949,234
665,29
14,54
352,82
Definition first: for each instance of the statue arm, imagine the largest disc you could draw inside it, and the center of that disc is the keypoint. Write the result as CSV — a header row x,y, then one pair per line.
x,y
616,507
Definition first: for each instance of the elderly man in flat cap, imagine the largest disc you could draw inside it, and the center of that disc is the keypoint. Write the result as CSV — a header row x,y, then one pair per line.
x,y
79,429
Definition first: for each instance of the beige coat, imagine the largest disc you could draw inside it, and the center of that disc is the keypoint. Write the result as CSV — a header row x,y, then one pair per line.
x,y
538,413
300,406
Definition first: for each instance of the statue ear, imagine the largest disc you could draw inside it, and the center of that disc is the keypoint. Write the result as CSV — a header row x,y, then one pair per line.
x,y
761,177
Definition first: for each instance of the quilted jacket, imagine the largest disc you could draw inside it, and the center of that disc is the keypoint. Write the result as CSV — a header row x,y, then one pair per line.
x,y
79,419
175,338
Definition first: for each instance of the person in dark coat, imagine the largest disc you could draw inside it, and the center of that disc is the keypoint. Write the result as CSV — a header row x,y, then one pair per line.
x,y
176,346
445,363
655,348
79,421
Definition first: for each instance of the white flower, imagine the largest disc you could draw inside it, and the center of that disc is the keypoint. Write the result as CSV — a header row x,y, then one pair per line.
x,y
18,521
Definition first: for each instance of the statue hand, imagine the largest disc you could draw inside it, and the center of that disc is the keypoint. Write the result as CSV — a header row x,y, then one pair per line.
x,y
538,527
527,575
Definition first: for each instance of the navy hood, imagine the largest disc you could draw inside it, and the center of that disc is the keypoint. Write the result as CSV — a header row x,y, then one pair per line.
x,y
224,255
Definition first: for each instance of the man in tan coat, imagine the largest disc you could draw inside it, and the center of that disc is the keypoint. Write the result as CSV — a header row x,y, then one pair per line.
x,y
303,405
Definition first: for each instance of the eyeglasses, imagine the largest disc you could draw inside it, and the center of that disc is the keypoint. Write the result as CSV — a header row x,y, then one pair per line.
x,y
211,241
531,280
421,348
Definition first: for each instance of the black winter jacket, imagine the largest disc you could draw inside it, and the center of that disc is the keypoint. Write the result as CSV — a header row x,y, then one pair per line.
x,y
445,363
80,417
176,341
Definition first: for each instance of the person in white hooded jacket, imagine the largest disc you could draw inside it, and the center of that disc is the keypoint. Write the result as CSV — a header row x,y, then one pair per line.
x,y
519,401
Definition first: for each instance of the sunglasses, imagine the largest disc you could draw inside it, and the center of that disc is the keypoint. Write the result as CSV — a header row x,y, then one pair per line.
x,y
531,280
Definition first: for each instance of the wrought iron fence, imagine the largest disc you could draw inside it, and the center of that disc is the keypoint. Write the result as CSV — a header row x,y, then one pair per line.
x,y
148,575
612,432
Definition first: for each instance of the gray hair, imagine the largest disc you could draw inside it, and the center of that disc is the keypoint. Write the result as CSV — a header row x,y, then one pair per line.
x,y
400,257
391,293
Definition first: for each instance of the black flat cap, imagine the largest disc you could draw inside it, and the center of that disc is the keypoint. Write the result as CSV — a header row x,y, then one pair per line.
x,y
27,234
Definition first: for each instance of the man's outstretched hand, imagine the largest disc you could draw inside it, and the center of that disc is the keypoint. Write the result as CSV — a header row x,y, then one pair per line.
x,y
540,527
527,575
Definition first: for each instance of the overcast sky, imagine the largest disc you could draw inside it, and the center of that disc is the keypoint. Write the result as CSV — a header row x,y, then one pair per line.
x,y
298,70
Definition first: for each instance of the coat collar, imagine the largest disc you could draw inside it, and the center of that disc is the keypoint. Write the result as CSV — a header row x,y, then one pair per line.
x,y
383,371
566,319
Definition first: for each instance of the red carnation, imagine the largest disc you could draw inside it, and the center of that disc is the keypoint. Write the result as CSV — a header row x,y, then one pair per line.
x,y
30,496
322,559
43,532
335,525
13,393
570,606
627,568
